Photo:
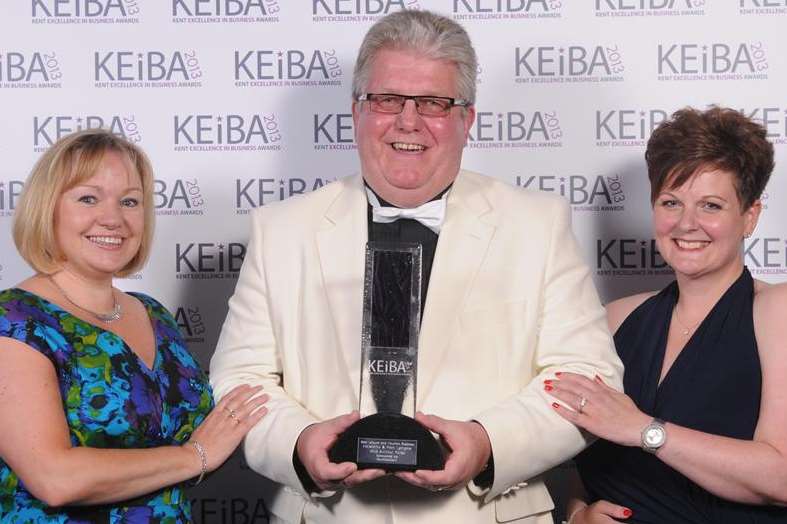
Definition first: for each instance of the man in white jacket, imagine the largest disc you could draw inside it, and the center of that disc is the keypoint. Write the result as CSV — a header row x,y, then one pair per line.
x,y
508,302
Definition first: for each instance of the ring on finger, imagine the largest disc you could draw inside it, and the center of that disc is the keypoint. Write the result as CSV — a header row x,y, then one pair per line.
x,y
233,414
582,403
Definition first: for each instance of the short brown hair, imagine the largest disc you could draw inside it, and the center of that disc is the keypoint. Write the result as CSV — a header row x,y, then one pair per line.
x,y
693,141
70,161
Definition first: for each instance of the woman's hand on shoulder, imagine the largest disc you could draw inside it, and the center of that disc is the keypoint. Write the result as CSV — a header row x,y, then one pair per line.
x,y
232,417
600,512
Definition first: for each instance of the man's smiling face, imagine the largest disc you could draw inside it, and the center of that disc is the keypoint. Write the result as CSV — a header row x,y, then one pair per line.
x,y
407,158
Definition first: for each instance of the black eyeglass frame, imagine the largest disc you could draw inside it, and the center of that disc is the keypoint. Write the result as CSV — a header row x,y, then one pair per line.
x,y
453,102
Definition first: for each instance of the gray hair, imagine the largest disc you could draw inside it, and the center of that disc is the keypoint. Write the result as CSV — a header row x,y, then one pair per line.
x,y
436,36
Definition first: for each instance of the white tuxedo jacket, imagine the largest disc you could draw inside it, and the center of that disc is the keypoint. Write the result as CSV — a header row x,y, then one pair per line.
x,y
510,302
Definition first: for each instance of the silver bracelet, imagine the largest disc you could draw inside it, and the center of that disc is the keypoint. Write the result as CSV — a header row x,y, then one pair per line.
x,y
203,459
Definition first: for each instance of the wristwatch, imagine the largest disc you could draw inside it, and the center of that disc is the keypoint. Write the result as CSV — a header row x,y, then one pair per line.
x,y
654,435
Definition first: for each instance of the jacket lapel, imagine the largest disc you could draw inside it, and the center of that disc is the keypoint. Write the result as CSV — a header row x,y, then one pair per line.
x,y
341,245
462,246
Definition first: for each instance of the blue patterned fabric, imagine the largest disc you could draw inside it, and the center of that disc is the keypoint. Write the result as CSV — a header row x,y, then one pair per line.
x,y
111,399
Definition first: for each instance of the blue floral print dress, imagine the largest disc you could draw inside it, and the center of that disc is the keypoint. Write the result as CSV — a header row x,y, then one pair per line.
x,y
111,399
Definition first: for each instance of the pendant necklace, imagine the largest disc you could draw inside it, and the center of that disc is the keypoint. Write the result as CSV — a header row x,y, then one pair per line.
x,y
684,328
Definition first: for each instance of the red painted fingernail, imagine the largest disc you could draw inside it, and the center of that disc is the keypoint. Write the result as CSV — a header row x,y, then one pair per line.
x,y
558,373
555,405
547,381
627,513
548,387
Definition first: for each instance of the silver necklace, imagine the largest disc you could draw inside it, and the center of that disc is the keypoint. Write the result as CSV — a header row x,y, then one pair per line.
x,y
108,318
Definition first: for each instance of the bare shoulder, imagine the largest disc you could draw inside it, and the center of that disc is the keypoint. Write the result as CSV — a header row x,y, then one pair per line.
x,y
619,309
770,303
32,284
19,362
770,332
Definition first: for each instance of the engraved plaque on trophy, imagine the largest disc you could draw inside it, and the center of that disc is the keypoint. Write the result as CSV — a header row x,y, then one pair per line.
x,y
388,437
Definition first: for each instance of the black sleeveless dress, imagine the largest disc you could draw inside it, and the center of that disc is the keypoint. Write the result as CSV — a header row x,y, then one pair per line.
x,y
713,386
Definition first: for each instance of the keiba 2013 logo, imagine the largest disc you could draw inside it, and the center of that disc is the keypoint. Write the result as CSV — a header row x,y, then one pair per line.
x,y
86,11
256,192
495,10
629,257
225,11
147,69
650,8
230,510
568,63
47,129
512,129
227,132
584,192
356,10
626,127
287,67
178,197
208,260
680,61
191,321
30,69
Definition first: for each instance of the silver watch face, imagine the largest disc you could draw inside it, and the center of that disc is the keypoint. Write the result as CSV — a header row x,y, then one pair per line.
x,y
654,436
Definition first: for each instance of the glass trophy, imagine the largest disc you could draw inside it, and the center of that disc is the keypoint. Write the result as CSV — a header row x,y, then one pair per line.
x,y
387,436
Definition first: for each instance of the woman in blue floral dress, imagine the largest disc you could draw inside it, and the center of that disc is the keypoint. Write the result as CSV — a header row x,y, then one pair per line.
x,y
105,415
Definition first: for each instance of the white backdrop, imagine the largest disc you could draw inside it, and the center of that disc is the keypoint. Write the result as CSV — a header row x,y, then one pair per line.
x,y
243,102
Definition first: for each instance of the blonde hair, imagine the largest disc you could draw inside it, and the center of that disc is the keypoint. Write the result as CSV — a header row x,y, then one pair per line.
x,y
70,161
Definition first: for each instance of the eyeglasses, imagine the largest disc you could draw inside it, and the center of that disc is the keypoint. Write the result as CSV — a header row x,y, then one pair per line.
x,y
392,103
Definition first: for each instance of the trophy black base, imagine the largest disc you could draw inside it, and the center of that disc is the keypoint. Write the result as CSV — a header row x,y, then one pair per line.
x,y
389,441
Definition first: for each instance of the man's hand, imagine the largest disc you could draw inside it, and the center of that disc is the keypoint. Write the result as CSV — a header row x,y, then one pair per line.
x,y
469,450
312,448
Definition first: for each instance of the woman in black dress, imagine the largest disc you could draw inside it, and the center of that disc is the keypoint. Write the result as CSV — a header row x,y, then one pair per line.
x,y
700,435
